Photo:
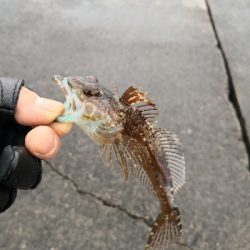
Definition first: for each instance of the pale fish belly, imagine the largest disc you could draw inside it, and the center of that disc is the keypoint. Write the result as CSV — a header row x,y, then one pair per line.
x,y
100,133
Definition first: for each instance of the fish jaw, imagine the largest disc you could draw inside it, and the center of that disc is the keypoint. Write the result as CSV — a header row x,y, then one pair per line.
x,y
58,80
73,108
63,84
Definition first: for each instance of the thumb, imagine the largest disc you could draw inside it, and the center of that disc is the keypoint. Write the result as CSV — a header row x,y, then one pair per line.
x,y
32,110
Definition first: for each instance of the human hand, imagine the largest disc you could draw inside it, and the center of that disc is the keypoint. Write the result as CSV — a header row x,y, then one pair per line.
x,y
25,119
43,141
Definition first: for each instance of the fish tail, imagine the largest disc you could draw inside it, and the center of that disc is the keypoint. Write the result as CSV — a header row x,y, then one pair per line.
x,y
166,230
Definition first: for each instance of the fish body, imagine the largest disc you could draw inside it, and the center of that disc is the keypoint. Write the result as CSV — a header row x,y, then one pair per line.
x,y
125,129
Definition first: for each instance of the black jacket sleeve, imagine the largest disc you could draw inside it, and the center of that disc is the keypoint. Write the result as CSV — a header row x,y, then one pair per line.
x,y
18,168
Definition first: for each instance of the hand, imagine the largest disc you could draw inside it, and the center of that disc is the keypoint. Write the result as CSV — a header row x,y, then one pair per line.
x,y
25,120
43,141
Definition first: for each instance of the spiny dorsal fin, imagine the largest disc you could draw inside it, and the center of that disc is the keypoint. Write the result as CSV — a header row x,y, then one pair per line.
x,y
170,155
133,95
150,113
142,103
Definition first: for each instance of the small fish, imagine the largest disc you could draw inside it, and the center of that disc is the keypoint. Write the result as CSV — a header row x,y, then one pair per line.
x,y
125,130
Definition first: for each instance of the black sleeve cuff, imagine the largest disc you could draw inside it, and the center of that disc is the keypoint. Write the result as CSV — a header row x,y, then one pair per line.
x,y
7,197
9,92
19,169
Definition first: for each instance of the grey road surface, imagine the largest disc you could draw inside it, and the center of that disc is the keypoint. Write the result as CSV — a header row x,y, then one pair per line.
x,y
169,49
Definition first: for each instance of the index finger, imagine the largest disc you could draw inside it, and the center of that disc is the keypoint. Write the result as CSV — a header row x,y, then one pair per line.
x,y
32,110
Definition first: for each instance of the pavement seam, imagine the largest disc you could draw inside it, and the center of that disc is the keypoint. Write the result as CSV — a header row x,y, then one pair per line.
x,y
182,244
147,221
107,203
232,94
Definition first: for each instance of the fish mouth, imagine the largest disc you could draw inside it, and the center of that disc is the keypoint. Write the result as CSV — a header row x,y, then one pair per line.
x,y
67,87
70,103
73,103
62,84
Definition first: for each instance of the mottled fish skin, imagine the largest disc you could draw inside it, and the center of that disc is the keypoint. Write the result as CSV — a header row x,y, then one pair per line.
x,y
125,129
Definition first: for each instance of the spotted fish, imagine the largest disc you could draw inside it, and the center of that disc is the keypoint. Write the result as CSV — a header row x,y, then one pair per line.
x,y
125,129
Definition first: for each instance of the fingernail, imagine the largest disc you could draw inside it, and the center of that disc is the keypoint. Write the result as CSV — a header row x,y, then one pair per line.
x,y
54,148
48,148
42,142
50,105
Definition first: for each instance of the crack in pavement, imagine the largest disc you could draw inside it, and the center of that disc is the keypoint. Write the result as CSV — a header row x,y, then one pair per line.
x,y
147,221
182,244
232,95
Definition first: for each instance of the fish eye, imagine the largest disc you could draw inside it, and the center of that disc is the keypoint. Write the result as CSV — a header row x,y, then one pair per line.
x,y
92,92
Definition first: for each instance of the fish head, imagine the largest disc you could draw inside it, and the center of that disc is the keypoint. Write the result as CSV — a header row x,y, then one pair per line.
x,y
89,102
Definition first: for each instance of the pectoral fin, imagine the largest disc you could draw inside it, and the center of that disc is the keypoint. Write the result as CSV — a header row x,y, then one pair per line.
x,y
131,156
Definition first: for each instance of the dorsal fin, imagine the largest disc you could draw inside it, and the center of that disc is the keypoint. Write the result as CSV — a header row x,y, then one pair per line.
x,y
170,155
150,113
133,95
141,102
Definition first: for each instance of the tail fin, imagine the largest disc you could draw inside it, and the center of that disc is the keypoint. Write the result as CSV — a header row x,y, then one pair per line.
x,y
166,230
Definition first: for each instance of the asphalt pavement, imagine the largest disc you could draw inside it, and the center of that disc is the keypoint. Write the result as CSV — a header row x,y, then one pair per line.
x,y
187,57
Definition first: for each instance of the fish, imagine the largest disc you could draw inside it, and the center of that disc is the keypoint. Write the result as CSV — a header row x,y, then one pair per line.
x,y
125,128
